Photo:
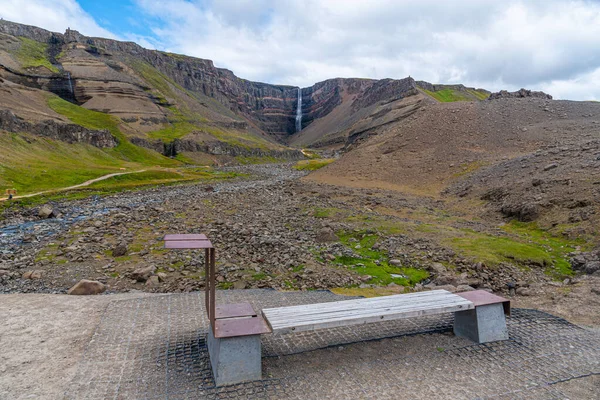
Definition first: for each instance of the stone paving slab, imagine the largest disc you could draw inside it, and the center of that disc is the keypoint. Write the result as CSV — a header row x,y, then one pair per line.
x,y
154,348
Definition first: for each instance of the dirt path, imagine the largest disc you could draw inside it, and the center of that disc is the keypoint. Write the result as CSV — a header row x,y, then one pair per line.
x,y
86,183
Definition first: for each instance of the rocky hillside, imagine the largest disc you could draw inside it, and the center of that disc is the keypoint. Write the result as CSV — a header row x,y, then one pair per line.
x,y
528,158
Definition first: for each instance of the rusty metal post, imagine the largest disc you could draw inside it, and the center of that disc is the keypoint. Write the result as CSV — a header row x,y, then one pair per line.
x,y
212,288
206,283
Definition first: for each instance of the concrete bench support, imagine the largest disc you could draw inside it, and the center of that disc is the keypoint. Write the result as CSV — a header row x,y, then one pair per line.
x,y
487,322
235,359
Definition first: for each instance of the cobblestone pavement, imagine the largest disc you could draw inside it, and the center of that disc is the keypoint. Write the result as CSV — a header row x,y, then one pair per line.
x,y
154,348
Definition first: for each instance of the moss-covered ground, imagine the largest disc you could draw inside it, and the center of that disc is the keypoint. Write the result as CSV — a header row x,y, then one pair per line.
x,y
373,262
313,165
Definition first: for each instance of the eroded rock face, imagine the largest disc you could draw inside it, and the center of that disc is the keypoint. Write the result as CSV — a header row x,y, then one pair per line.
x,y
522,93
69,133
588,263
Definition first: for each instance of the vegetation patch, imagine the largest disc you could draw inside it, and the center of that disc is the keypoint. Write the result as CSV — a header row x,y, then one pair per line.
x,y
326,212
125,150
313,165
32,54
375,263
525,245
450,95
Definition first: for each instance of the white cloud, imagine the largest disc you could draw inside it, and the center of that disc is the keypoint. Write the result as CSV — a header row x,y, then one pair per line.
x,y
509,44
551,45
52,15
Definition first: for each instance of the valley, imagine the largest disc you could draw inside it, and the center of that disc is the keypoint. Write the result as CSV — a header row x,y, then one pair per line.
x,y
365,187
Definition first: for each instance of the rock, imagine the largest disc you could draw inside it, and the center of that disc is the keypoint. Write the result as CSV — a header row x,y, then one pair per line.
x,y
153,281
596,291
162,276
395,263
326,234
464,288
438,268
37,274
120,250
46,212
445,280
4,272
522,93
143,274
524,291
239,285
450,288
86,287
550,166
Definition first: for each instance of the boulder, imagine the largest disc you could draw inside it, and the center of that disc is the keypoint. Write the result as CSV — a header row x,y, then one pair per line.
x,y
521,291
37,274
239,285
153,281
326,235
4,272
450,288
143,274
438,268
395,263
46,212
120,250
464,288
86,287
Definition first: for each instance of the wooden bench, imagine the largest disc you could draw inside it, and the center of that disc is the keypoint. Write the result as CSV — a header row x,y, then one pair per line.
x,y
479,315
362,311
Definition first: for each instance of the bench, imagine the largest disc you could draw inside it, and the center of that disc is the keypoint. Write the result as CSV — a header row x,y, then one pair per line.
x,y
478,315
362,311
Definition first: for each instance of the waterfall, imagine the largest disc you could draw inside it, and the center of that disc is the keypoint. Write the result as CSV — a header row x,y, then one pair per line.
x,y
299,112
70,84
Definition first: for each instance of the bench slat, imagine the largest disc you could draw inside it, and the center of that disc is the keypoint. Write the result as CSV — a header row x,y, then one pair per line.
x,y
411,299
361,311
365,312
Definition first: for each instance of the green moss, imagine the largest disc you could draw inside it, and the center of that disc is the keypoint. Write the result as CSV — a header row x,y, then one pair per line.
x,y
526,245
259,276
32,54
328,212
225,285
298,268
176,130
374,262
380,224
313,165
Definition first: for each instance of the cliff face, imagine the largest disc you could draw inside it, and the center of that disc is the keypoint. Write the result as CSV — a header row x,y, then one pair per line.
x,y
121,78
69,133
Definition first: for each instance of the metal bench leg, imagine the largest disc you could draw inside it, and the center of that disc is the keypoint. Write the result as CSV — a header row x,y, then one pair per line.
x,y
235,359
484,324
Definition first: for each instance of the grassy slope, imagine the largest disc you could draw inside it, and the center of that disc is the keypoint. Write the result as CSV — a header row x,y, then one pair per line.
x,y
449,95
32,54
313,165
31,164
97,120
183,121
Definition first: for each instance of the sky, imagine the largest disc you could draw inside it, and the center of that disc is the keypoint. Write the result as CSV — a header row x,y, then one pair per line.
x,y
549,45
